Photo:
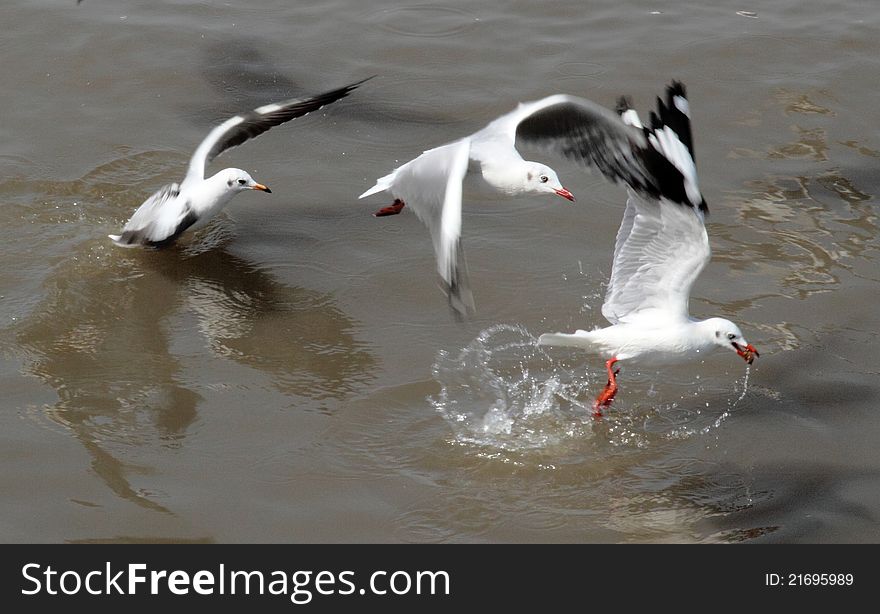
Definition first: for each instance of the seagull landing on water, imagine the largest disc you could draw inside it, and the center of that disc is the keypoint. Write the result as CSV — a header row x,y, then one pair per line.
x,y
661,248
176,208
578,129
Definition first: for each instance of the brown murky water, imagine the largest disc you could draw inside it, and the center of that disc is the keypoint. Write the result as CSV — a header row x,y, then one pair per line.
x,y
292,373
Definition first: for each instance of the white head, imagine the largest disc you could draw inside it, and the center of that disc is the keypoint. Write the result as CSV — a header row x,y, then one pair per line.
x,y
728,335
542,179
238,180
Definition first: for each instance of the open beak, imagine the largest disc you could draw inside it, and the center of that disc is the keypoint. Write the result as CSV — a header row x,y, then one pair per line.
x,y
261,187
565,194
748,353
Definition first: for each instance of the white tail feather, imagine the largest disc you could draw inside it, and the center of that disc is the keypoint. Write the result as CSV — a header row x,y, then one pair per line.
x,y
382,184
578,339
117,240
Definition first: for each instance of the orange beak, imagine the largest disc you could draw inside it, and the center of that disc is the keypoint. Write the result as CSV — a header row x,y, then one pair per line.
x,y
261,187
748,353
565,194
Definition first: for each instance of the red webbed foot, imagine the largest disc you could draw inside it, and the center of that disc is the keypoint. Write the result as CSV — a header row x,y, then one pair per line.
x,y
607,395
392,209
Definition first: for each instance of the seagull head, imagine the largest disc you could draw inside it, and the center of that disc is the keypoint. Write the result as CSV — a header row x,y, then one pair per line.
x,y
728,335
541,178
238,180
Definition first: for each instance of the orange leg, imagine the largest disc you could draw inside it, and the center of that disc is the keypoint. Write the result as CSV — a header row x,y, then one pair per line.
x,y
392,209
607,395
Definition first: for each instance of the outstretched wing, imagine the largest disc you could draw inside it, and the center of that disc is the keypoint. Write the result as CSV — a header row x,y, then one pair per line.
x,y
656,161
240,128
158,221
431,185
661,249
585,132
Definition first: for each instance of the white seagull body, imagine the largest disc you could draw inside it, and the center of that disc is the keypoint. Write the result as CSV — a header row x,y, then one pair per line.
x,y
176,208
573,127
661,248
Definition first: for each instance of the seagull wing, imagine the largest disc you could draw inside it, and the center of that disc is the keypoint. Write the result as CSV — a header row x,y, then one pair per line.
x,y
159,220
582,131
661,249
240,128
431,185
655,162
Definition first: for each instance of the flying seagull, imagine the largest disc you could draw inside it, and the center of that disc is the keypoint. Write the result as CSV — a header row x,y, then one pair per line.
x,y
661,248
575,128
176,208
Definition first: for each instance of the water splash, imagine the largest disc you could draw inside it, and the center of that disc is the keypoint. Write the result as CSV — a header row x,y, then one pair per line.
x,y
690,431
503,391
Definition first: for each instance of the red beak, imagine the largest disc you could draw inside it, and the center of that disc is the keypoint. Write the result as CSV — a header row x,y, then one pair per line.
x,y
565,194
748,353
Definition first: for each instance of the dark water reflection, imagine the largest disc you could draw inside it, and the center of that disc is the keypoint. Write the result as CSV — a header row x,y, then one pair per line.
x,y
106,335
290,372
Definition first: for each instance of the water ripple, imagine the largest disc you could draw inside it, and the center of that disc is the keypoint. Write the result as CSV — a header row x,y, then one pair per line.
x,y
428,21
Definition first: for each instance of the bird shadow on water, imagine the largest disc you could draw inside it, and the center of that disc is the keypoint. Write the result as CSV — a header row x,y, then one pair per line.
x,y
245,76
113,335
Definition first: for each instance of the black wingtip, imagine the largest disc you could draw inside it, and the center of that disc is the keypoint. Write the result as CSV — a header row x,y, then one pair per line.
x,y
343,91
458,289
676,88
672,114
357,84
340,92
624,104
460,299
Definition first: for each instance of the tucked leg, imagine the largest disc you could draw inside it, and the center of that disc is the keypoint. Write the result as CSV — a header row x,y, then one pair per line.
x,y
607,395
392,209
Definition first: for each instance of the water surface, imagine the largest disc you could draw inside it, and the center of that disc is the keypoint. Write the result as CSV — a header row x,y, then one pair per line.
x,y
292,373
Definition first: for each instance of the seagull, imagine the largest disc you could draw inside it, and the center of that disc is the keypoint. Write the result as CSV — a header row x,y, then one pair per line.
x,y
660,250
575,128
176,208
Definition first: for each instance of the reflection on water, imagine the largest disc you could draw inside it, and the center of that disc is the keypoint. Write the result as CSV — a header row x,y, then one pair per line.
x,y
107,334
296,335
205,385
802,103
810,143
806,227
677,499
820,491
591,487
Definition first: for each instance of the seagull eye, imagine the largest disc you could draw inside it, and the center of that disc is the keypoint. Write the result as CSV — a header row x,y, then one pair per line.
x,y
544,179
731,336
242,181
